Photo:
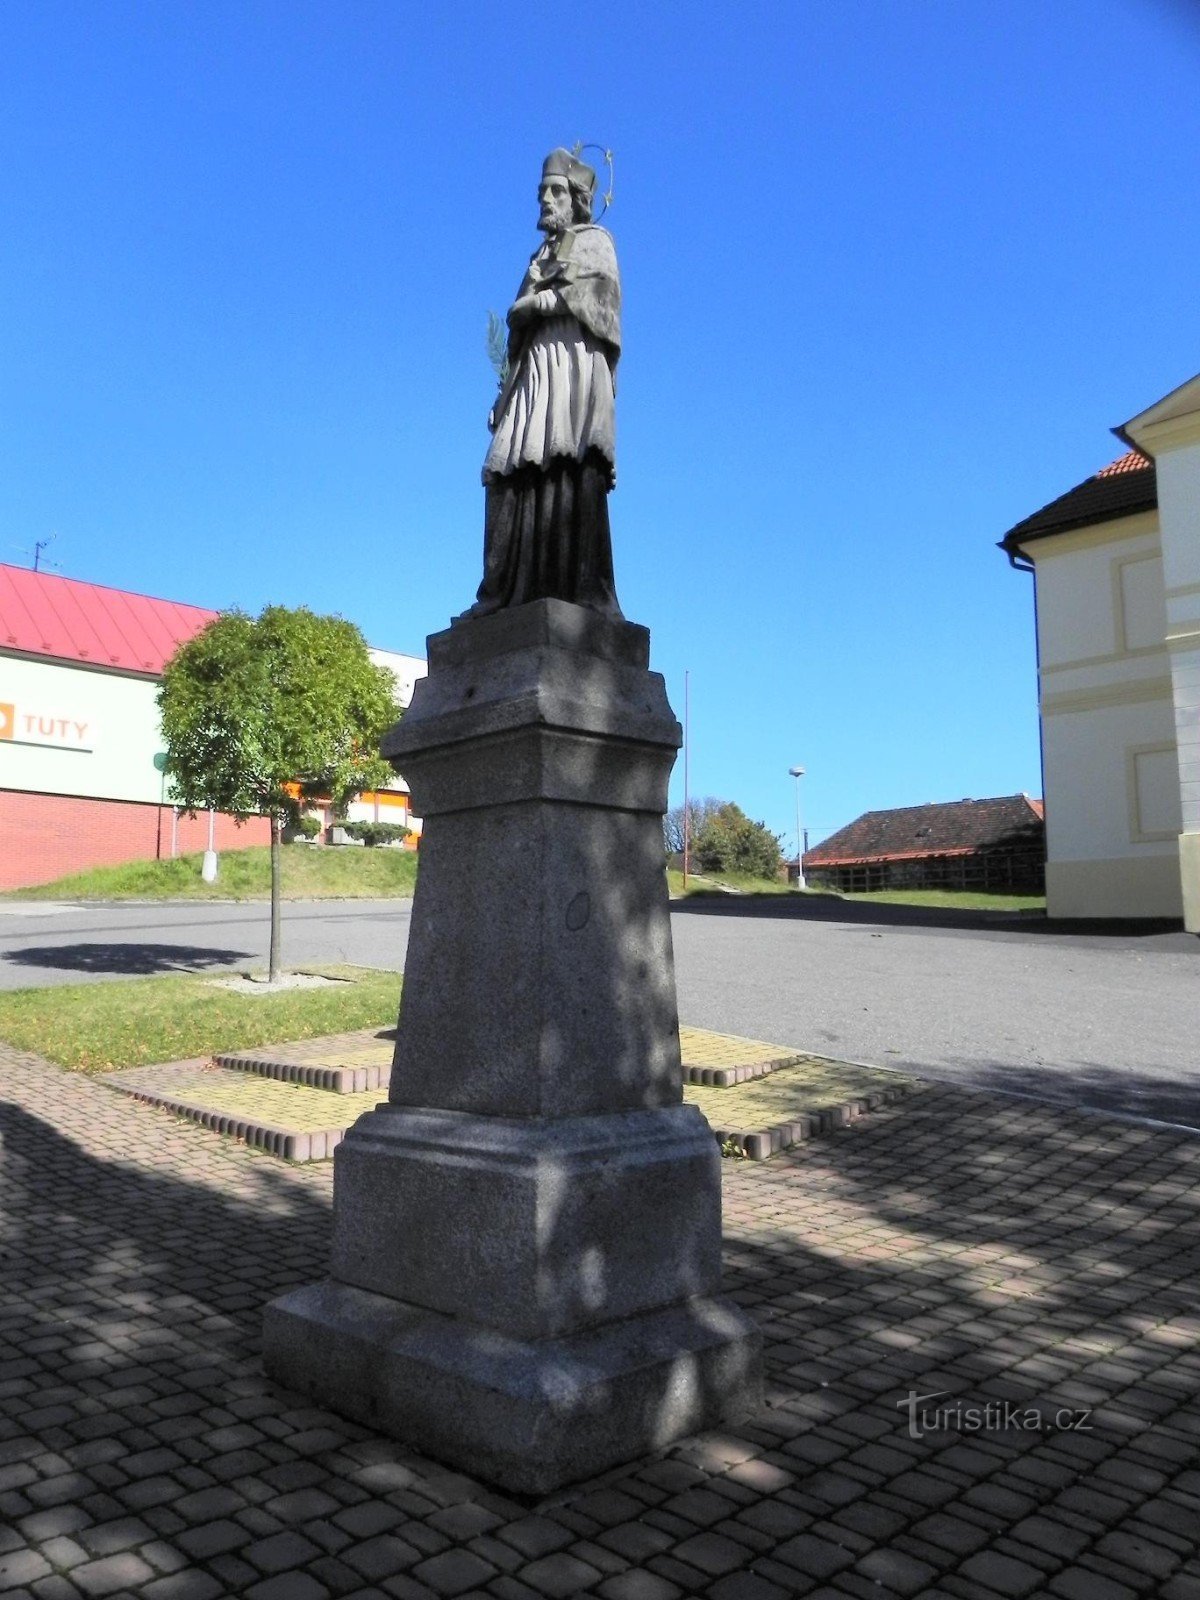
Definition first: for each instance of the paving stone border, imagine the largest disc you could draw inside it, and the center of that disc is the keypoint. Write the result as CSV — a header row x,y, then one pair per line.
x,y
723,1060
291,1144
730,1077
333,1080
759,1144
154,1086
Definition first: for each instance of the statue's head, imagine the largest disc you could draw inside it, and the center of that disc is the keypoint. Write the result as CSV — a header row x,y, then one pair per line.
x,y
565,192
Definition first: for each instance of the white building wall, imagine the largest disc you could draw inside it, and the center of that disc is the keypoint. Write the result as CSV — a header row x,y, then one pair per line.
x,y
405,669
1179,502
1170,432
391,805
1108,728
79,731
67,730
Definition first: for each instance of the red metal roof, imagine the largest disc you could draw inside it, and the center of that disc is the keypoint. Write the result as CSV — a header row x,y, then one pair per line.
x,y
42,614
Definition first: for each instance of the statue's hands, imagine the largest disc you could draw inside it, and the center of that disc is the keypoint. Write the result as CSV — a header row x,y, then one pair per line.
x,y
521,310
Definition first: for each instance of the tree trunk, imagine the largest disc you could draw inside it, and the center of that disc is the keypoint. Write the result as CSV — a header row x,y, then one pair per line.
x,y
276,831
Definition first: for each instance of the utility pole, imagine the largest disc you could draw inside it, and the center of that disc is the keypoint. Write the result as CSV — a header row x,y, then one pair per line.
x,y
687,832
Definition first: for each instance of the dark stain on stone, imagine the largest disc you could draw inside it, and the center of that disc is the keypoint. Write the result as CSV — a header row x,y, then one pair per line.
x,y
579,910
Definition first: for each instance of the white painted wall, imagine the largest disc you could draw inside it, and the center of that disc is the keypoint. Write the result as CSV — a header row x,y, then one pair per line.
x,y
1170,432
71,731
1106,794
1179,499
1100,594
1108,725
405,669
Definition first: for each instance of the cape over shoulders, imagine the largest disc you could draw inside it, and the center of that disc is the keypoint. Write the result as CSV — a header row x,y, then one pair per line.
x,y
590,247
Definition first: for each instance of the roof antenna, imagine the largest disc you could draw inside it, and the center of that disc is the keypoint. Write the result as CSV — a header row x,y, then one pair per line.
x,y
38,546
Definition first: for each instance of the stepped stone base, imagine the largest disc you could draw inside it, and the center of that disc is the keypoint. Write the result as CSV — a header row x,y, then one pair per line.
x,y
530,1415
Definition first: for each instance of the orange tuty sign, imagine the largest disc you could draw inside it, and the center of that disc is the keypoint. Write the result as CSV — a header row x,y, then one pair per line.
x,y
39,727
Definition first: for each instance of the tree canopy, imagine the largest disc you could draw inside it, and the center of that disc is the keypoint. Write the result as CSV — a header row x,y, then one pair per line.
x,y
253,707
259,713
697,814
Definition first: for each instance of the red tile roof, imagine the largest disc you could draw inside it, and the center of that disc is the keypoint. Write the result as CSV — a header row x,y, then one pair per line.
x,y
1122,488
953,828
42,614
1131,461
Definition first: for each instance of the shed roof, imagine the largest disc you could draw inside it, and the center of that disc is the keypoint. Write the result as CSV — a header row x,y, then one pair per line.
x,y
1122,488
42,614
951,828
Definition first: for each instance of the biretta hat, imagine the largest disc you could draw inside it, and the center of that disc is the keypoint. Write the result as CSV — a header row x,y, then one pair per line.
x,y
561,163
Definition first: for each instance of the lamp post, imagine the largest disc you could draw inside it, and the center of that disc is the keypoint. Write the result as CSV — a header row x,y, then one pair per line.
x,y
798,773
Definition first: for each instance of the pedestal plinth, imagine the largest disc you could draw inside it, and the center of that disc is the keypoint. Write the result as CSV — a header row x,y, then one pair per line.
x,y
526,1257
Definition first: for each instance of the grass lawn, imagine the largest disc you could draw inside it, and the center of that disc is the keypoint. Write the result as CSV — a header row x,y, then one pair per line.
x,y
309,873
97,1027
738,882
954,899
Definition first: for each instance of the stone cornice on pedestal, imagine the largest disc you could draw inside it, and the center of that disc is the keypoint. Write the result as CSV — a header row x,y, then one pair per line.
x,y
514,685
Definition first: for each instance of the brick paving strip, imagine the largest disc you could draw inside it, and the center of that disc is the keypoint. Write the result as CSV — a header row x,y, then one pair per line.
x,y
992,1251
297,1100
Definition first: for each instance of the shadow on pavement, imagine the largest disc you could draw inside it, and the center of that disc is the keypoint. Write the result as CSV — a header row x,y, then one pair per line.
x,y
131,960
1079,1086
828,908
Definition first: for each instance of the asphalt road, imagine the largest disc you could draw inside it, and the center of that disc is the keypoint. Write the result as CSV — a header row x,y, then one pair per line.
x,y
1106,1018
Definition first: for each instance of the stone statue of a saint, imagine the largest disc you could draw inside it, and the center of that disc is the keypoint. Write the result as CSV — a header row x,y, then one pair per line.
x,y
552,457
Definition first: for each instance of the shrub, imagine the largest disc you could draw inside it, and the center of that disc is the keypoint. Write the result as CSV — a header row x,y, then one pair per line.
x,y
730,842
372,833
307,827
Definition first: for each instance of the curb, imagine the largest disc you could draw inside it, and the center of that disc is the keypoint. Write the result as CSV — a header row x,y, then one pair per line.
x,y
335,1080
730,1077
314,1145
291,1144
760,1144
302,1145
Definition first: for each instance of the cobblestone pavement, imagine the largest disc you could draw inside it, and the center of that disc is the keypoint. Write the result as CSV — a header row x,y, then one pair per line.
x,y
1000,1251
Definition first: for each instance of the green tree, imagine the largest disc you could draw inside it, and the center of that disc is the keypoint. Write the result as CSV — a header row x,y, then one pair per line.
x,y
729,842
251,708
698,813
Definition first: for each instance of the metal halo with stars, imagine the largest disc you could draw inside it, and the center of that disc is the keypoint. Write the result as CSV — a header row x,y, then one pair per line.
x,y
577,150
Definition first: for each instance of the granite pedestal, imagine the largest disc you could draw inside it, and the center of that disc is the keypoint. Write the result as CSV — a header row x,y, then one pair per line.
x,y
526,1258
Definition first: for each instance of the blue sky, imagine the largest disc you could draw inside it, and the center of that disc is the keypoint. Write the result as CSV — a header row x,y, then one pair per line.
x,y
891,270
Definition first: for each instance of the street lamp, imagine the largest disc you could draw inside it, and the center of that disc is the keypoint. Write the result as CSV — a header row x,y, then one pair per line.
x,y
798,773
